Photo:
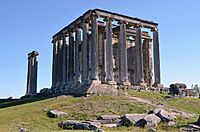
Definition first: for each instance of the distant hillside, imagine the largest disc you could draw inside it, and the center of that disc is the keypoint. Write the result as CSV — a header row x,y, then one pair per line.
x,y
30,114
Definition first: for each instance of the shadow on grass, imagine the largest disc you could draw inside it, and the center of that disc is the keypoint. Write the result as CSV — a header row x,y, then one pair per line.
x,y
13,102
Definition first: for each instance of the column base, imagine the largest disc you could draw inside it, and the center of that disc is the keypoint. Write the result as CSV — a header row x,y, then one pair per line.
x,y
86,82
110,82
125,83
142,84
95,81
157,85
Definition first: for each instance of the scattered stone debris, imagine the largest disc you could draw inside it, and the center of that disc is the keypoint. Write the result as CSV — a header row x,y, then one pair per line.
x,y
163,115
180,90
23,130
198,121
192,127
171,123
109,117
150,120
99,130
131,119
46,109
56,114
109,120
77,125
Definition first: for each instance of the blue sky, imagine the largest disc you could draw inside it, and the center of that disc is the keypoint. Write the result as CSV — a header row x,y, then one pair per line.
x,y
27,25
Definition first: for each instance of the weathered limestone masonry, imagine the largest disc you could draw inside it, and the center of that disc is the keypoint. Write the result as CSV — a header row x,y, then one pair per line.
x,y
101,47
32,73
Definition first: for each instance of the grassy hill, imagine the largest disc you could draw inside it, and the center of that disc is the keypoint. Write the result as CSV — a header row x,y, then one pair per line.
x,y
30,114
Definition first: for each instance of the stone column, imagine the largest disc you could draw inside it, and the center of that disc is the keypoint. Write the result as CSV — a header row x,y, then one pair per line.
x,y
84,52
109,52
59,66
71,56
101,55
94,48
123,76
64,63
29,74
32,73
147,61
34,77
67,60
139,57
77,60
54,64
156,55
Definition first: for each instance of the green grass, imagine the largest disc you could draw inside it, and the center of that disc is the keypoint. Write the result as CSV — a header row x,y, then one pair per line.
x,y
32,117
190,105
29,113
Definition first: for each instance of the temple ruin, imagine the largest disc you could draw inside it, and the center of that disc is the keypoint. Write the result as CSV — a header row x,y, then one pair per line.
x,y
102,47
31,88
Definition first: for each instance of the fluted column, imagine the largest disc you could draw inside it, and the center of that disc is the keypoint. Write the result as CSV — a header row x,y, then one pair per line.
x,y
32,73
64,63
71,56
34,77
156,55
54,65
123,75
77,60
84,52
147,61
29,74
139,56
109,51
59,66
94,48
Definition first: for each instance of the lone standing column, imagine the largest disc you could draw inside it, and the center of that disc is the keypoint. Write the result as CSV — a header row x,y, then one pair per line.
x,y
94,48
123,76
32,73
34,77
84,52
77,60
109,52
156,55
29,74
139,56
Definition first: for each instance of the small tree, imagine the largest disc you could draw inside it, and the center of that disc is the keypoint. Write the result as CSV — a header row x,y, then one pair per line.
x,y
196,88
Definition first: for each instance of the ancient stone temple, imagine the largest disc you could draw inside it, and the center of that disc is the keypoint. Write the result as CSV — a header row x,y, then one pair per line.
x,y
31,88
101,47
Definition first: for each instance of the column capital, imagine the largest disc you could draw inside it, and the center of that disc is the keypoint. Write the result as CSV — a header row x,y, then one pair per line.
x,y
138,25
77,26
71,29
149,40
108,19
29,56
60,37
64,34
34,53
122,22
94,14
86,20
154,29
53,41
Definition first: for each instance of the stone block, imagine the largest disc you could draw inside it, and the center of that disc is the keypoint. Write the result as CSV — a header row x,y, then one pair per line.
x,y
56,113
